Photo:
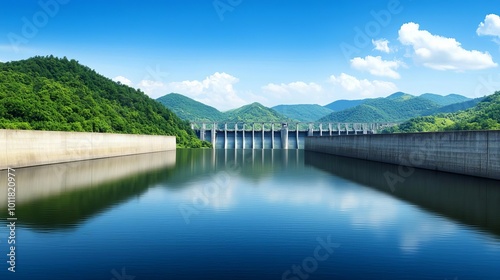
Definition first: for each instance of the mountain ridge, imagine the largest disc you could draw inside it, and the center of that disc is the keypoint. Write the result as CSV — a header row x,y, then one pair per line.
x,y
179,103
485,115
303,112
394,108
398,106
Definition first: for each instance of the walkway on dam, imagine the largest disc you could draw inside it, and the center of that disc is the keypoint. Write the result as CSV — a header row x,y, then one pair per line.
x,y
261,135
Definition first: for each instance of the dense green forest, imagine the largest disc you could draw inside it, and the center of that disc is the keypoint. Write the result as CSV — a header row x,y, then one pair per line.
x,y
192,110
444,100
303,112
189,109
343,104
394,108
49,93
455,107
484,116
254,112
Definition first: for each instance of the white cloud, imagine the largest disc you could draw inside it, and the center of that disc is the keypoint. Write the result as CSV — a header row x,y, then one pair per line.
x,y
123,80
376,66
351,87
442,53
300,87
294,92
423,231
152,88
216,90
490,26
381,45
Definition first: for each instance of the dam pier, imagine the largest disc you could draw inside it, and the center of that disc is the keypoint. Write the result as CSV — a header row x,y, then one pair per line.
x,y
275,135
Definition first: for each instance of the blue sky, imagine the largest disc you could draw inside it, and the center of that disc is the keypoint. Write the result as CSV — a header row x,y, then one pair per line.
x,y
227,53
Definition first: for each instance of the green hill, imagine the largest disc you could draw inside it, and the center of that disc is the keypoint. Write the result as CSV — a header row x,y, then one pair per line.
x,y
303,112
343,104
394,108
254,112
400,96
455,107
445,100
189,109
484,116
48,93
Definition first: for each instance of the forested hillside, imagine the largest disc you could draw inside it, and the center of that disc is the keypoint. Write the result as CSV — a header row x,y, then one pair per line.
x,y
189,109
343,104
254,112
445,100
303,112
397,107
454,107
484,116
194,111
48,93
394,108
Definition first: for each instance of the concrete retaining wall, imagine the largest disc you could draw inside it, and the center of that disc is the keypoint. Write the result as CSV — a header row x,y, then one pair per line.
x,y
22,148
475,153
39,182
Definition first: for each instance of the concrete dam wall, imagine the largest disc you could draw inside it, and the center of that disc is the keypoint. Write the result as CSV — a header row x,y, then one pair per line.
x,y
275,135
22,148
475,153
257,140
40,182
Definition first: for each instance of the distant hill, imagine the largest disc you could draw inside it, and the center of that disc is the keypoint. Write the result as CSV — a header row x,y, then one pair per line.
x,y
48,93
400,96
484,116
303,112
342,104
396,107
254,112
454,107
189,109
445,100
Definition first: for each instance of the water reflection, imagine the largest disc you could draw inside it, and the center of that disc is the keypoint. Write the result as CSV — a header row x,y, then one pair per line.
x,y
63,195
263,212
254,165
470,200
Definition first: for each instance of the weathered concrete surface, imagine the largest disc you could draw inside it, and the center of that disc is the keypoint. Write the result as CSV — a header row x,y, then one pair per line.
x,y
39,182
22,148
475,153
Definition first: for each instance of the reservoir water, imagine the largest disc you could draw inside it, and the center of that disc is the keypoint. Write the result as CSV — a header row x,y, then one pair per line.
x,y
249,214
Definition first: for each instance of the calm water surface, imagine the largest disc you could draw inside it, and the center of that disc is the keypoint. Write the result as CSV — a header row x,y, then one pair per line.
x,y
203,214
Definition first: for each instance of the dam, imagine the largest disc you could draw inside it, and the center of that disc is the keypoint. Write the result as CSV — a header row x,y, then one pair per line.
x,y
473,153
260,135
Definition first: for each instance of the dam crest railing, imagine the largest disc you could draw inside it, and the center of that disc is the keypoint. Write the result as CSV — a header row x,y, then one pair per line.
x,y
275,135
